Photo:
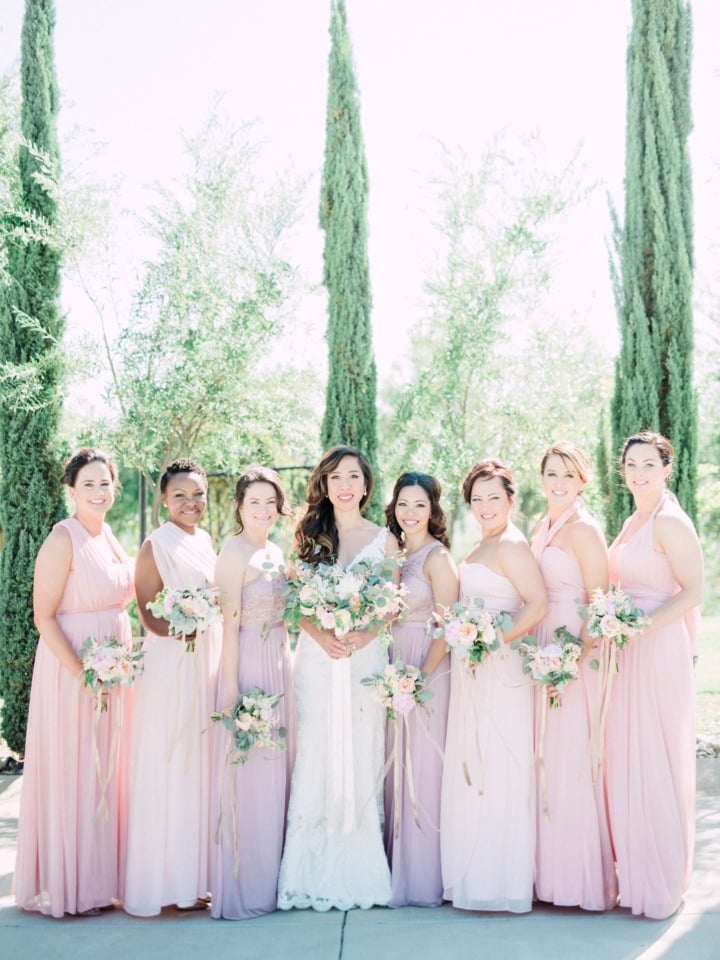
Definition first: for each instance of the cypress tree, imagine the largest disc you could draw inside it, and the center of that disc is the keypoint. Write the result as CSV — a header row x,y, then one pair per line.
x,y
31,498
350,413
653,282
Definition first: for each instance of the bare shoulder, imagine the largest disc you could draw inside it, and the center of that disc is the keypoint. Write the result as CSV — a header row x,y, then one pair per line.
x,y
439,558
57,547
586,532
673,523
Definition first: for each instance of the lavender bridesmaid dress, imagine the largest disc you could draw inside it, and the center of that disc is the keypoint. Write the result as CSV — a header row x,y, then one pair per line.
x,y
414,850
248,820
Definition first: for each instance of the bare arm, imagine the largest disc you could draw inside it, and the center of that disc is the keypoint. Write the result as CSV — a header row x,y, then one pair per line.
x,y
590,551
148,583
677,539
442,573
52,568
522,570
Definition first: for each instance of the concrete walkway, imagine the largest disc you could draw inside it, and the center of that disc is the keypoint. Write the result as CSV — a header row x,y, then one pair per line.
x,y
379,934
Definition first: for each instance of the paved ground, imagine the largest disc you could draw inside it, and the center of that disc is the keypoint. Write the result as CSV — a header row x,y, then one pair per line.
x,y
379,934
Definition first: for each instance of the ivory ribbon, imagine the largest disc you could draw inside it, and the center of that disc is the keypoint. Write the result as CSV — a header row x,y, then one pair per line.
x,y
104,779
608,667
180,725
342,815
540,752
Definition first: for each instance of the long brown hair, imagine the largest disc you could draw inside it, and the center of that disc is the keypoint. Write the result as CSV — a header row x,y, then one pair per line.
x,y
316,534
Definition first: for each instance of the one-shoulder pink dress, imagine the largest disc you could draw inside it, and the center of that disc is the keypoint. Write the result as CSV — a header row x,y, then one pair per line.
x,y
251,799
650,738
574,864
413,848
487,830
73,809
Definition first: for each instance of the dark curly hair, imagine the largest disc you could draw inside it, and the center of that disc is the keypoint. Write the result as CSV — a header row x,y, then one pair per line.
x,y
316,533
487,470
258,474
181,465
437,525
82,458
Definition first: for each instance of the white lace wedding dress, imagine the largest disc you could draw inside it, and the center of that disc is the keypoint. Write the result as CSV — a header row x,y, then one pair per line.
x,y
334,854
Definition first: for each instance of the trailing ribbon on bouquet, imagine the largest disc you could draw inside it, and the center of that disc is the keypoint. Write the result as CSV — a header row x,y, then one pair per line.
x,y
104,779
180,724
342,814
540,751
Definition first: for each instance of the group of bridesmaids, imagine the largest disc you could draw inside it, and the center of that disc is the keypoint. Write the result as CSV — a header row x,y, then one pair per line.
x,y
484,798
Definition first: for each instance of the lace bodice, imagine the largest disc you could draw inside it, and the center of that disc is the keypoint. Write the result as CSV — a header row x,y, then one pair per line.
x,y
263,600
418,589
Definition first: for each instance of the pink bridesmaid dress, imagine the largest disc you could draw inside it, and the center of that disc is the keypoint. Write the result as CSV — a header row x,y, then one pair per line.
x,y
169,812
487,830
72,814
574,864
650,738
414,850
249,812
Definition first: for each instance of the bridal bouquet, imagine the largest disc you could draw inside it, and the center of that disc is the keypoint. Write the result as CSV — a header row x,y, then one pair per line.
x,y
253,722
399,688
613,616
109,664
553,665
189,611
470,631
333,598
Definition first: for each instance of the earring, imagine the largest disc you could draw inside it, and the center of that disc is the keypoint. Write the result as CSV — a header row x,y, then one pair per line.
x,y
365,492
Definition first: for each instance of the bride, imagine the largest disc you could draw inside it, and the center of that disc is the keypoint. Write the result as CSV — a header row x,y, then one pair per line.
x,y
334,853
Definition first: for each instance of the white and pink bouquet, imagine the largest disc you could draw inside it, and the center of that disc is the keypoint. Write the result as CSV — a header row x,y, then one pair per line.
x,y
399,688
109,664
333,598
613,616
189,611
555,664
470,631
254,722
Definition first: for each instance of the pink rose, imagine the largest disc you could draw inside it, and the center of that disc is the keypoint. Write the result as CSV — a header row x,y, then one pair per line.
x,y
403,703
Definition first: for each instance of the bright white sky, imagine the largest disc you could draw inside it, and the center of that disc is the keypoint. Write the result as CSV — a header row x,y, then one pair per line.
x,y
138,71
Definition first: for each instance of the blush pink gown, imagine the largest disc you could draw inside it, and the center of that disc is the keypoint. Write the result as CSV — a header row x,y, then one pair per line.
x,y
72,815
248,816
487,830
169,814
414,851
574,864
650,740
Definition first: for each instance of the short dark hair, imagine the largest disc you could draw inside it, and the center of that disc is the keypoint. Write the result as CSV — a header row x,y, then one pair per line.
x,y
181,465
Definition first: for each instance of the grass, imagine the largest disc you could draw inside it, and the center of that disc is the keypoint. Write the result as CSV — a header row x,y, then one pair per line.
x,y
707,679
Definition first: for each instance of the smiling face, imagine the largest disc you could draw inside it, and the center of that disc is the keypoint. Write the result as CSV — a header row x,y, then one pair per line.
x,y
94,490
412,511
185,497
259,507
645,473
490,505
561,482
346,485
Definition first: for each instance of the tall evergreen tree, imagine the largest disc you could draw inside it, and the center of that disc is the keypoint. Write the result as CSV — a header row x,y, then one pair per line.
x,y
30,330
653,281
350,411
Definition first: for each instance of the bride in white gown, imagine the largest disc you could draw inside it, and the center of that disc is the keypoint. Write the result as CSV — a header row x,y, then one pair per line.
x,y
334,854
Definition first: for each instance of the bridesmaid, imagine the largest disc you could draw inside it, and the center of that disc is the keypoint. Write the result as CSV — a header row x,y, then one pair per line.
x,y
430,579
650,744
72,814
487,830
574,864
249,816
168,836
